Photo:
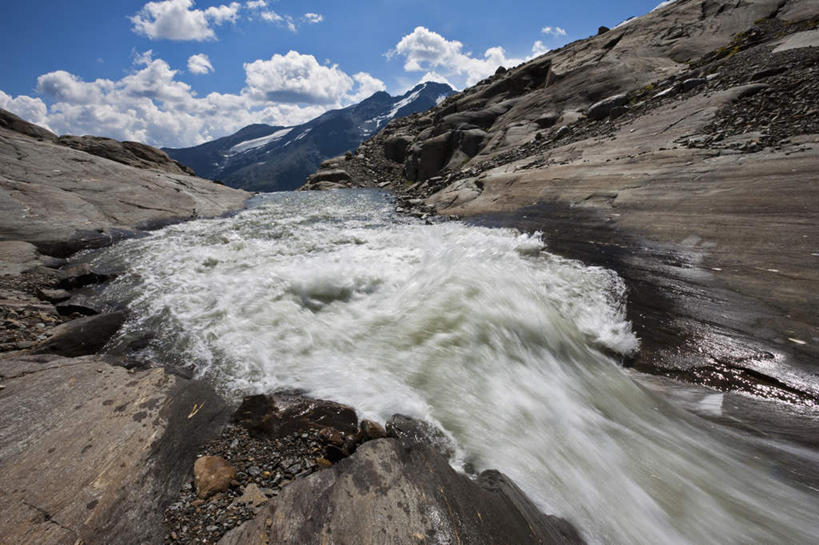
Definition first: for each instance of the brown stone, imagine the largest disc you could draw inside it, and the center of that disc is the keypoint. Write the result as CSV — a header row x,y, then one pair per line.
x,y
371,430
212,474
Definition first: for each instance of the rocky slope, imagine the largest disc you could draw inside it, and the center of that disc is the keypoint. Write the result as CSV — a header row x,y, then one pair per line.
x,y
62,199
680,148
134,154
265,158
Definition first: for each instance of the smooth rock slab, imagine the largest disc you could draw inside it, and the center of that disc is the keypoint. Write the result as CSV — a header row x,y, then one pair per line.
x,y
390,493
92,453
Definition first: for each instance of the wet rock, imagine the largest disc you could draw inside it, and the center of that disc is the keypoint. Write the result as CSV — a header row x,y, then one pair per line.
x,y
600,110
53,295
84,301
388,493
82,336
371,430
78,275
413,432
212,474
278,415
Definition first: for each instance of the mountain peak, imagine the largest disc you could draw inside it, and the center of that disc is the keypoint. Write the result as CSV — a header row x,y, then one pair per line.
x,y
264,158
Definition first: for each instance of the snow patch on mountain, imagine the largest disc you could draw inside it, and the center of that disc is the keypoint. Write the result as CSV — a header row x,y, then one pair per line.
x,y
242,147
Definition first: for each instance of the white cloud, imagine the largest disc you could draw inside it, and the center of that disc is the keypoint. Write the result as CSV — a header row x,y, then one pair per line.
x,y
367,85
663,4
256,4
298,79
178,20
283,20
538,48
425,50
555,31
313,17
151,105
30,109
199,64
224,13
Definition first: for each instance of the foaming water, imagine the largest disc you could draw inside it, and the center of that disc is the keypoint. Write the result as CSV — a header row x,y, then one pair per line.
x,y
478,330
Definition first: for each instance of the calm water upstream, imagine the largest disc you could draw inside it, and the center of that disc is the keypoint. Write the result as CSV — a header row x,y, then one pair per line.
x,y
478,330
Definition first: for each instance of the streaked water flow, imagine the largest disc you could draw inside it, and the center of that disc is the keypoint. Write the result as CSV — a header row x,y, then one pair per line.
x,y
478,330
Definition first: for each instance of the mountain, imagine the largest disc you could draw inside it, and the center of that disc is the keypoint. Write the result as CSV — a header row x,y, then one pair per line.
x,y
680,149
268,158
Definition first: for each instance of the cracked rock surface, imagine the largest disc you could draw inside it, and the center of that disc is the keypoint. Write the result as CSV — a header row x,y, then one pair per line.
x,y
91,450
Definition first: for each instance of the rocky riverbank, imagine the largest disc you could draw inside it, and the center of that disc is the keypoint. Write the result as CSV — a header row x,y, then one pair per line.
x,y
679,149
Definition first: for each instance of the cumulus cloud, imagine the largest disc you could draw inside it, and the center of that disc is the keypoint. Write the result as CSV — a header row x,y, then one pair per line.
x,y
313,17
555,31
256,4
366,86
296,78
199,64
30,109
150,104
179,20
426,51
538,48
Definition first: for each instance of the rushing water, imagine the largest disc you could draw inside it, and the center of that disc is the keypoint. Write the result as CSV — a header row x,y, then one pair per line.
x,y
478,330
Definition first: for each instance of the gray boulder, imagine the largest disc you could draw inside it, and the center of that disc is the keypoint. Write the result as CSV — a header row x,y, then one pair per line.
x,y
82,336
600,110
388,492
395,148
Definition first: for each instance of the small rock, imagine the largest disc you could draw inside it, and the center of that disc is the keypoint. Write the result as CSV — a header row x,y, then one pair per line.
x,y
372,430
252,496
212,474
331,436
693,83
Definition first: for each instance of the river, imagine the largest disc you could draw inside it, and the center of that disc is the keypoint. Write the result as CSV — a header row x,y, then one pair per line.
x,y
507,348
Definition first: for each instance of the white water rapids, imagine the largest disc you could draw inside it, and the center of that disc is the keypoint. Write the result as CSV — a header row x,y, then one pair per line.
x,y
478,330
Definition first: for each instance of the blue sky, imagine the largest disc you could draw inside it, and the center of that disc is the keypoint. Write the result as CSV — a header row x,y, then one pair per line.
x,y
179,72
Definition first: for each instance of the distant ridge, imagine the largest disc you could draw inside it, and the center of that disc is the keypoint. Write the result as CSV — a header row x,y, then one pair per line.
x,y
274,158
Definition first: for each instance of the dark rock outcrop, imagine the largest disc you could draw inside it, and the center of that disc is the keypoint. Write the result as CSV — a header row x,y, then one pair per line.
x,y
388,492
282,414
83,336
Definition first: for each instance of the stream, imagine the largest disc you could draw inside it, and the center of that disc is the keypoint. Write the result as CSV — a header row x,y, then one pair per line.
x,y
509,349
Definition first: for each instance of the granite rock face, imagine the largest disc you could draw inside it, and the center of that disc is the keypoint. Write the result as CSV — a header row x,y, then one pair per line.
x,y
390,492
134,154
91,452
679,149
62,200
